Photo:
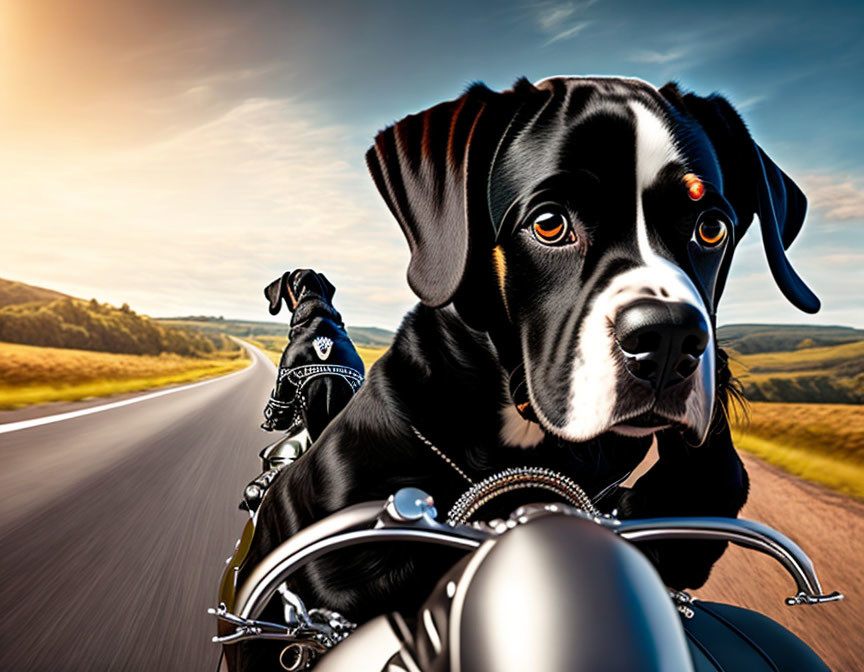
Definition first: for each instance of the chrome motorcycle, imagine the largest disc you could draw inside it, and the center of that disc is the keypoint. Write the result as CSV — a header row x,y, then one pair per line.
x,y
554,588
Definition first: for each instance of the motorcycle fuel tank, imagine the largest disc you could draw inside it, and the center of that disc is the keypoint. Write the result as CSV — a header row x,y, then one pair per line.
x,y
556,594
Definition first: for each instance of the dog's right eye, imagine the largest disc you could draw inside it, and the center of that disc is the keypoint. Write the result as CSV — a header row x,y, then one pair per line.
x,y
552,228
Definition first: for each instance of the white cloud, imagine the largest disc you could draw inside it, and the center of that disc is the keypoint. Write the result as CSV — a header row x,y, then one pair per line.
x,y
843,259
202,222
658,57
571,32
838,197
551,16
830,259
751,102
557,19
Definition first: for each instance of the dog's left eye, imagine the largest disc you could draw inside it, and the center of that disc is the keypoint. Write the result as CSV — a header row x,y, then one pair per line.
x,y
552,228
711,232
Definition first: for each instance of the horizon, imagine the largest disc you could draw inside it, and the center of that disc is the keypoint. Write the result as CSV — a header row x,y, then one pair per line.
x,y
180,156
223,318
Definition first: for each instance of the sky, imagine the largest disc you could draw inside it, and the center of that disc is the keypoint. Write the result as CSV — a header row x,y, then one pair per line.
x,y
179,155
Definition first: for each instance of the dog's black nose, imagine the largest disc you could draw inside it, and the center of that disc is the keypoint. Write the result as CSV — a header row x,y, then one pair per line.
x,y
662,341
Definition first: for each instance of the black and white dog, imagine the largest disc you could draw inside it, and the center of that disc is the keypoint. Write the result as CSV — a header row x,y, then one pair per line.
x,y
319,370
570,240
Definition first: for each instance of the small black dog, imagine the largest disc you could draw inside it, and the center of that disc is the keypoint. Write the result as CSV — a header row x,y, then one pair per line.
x,y
569,240
320,369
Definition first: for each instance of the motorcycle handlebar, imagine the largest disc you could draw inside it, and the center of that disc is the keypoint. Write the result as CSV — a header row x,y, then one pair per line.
x,y
410,516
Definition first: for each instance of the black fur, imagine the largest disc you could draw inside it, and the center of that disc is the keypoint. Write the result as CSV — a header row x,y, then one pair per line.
x,y
460,178
309,296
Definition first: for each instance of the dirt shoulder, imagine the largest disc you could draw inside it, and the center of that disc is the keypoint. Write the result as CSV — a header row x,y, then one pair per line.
x,y
830,528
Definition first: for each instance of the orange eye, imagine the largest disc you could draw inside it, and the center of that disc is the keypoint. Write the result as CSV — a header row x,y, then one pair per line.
x,y
695,186
551,228
711,232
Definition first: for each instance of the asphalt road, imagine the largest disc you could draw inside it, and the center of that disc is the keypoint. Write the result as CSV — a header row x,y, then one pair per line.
x,y
114,527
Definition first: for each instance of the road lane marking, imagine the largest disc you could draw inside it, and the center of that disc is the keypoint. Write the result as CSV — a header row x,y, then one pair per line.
x,y
59,417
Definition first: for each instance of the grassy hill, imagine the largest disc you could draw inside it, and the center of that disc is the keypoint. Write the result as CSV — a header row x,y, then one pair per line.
x,y
32,315
54,347
272,337
239,328
806,387
13,293
372,337
90,325
829,375
35,375
752,338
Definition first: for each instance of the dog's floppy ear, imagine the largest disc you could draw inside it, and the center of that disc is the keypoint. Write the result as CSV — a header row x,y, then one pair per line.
x,y
276,291
753,184
430,168
327,286
280,289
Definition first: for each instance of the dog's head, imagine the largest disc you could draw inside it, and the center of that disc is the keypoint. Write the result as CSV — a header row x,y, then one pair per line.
x,y
603,214
294,286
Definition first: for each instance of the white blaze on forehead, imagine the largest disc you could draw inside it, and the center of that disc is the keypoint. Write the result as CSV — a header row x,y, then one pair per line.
x,y
655,149
594,403
597,370
655,146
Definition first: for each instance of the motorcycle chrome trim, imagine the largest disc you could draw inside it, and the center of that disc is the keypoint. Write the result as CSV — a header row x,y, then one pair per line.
x,y
682,602
284,450
410,504
342,529
308,634
605,491
253,494
741,532
804,598
299,656
248,628
254,600
458,605
383,522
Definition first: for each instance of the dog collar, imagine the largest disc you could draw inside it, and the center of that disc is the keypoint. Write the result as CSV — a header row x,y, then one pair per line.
x,y
298,376
294,379
519,478
508,480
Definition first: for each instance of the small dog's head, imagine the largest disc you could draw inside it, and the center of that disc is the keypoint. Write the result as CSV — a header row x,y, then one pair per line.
x,y
294,286
603,214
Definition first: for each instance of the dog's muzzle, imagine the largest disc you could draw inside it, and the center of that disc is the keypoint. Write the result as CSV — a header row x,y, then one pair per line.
x,y
661,341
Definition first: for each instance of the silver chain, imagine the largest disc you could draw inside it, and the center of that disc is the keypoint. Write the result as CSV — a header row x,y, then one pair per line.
x,y
519,478
440,454
513,478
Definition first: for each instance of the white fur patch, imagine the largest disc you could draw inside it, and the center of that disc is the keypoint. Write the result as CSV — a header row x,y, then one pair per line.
x,y
655,149
517,431
593,399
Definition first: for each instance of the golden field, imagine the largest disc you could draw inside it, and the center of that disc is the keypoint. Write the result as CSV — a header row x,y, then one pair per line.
x,y
35,375
370,355
832,374
271,345
274,345
818,442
